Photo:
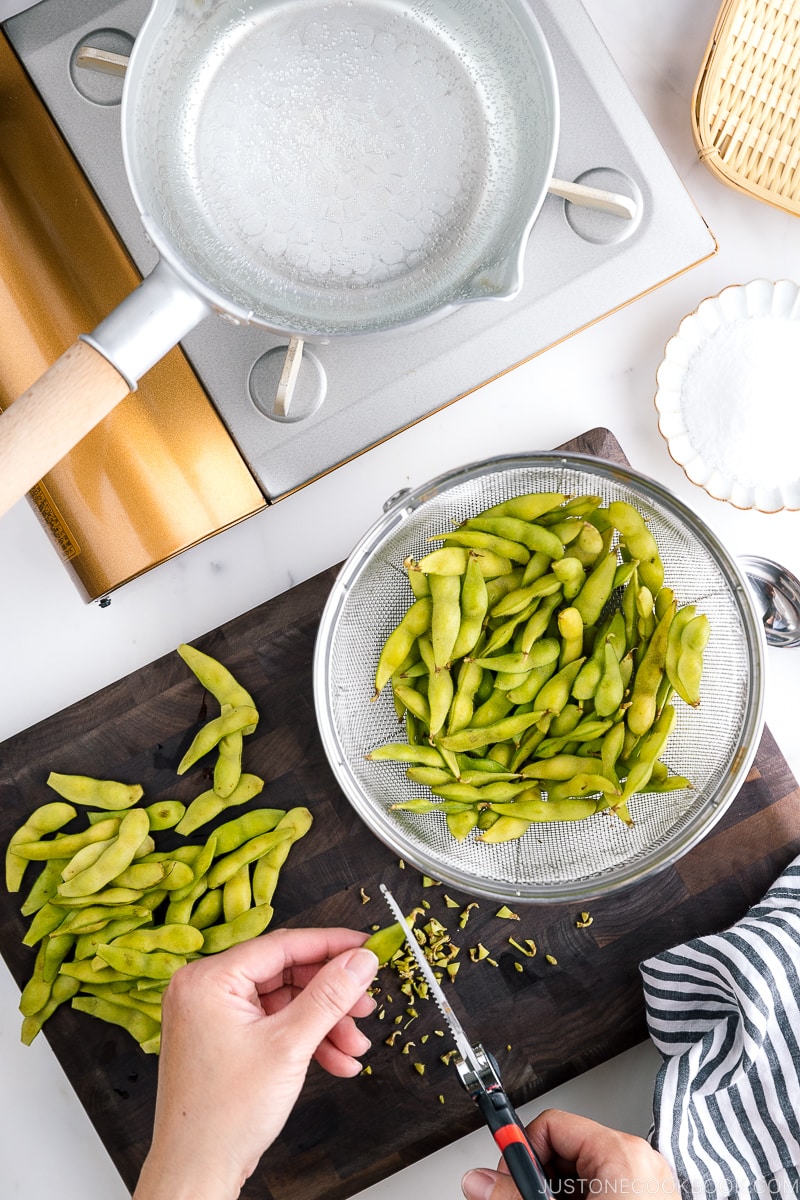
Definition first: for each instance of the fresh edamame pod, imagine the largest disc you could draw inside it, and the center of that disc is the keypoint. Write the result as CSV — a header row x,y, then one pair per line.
x,y
567,808
448,560
46,919
490,791
46,819
581,786
545,651
594,595
538,623
250,824
399,642
69,844
137,1024
165,814
689,666
463,703
384,943
417,579
298,821
116,896
504,829
86,943
611,688
555,693
571,574
440,698
445,616
37,990
115,858
570,626
494,708
529,507
588,546
147,964
420,805
427,756
561,767
461,824
148,875
565,721
428,775
527,533
639,541
209,804
176,939
63,989
85,971
56,948
574,506
584,732
84,858
415,702
228,767
237,893
214,677
518,599
234,720
476,736
648,754
474,602
133,998
249,925
97,793
44,886
177,875
476,539
208,910
642,711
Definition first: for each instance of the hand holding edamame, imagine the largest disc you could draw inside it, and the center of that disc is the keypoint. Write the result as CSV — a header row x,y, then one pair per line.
x,y
239,1032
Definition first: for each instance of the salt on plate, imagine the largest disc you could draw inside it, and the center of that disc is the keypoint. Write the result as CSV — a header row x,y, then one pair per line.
x,y
729,395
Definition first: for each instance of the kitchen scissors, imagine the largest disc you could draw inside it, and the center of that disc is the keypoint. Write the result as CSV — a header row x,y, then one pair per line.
x,y
480,1077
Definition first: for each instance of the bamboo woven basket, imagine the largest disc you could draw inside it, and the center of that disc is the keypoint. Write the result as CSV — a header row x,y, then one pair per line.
x,y
746,102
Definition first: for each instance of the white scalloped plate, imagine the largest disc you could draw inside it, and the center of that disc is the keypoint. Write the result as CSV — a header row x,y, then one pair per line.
x,y
728,395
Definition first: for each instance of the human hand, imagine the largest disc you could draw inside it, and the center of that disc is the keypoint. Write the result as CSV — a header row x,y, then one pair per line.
x,y
581,1157
239,1031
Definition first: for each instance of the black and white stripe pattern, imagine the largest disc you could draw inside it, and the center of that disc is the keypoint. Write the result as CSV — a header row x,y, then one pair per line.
x,y
724,1013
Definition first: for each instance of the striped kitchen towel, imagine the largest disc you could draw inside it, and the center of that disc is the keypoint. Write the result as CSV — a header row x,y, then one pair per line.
x,y
724,1013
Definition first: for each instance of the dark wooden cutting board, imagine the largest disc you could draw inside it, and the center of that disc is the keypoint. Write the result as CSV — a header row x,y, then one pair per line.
x,y
547,1023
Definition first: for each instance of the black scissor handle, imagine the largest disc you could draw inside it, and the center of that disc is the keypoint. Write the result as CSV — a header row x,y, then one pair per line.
x,y
512,1141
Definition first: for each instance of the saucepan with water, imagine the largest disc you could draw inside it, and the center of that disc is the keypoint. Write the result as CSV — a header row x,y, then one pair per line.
x,y
322,170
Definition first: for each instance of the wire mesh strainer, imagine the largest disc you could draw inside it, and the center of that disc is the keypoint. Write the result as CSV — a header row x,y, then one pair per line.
x,y
712,745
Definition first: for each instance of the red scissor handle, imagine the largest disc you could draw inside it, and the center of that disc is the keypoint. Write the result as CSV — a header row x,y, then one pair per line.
x,y
512,1141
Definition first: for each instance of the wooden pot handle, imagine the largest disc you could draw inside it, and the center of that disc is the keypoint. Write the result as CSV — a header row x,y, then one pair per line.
x,y
45,422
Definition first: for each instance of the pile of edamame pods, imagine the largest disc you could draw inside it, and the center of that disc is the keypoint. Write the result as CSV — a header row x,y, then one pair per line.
x,y
113,916
536,666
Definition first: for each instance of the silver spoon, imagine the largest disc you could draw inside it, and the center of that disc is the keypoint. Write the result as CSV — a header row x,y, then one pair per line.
x,y
777,595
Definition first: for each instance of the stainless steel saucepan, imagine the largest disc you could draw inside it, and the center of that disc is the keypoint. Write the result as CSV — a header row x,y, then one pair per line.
x,y
320,169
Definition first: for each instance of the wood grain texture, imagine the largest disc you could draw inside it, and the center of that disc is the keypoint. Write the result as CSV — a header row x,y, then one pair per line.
x,y
546,1023
51,417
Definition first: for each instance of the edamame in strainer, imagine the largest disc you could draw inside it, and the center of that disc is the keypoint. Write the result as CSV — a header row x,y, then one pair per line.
x,y
712,745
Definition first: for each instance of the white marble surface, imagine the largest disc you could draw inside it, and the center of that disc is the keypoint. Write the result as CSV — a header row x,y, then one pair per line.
x,y
56,649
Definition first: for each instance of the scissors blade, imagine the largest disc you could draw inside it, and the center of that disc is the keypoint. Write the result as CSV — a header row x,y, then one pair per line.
x,y
460,1038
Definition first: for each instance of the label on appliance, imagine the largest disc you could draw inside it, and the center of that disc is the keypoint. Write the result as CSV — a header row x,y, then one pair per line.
x,y
54,523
